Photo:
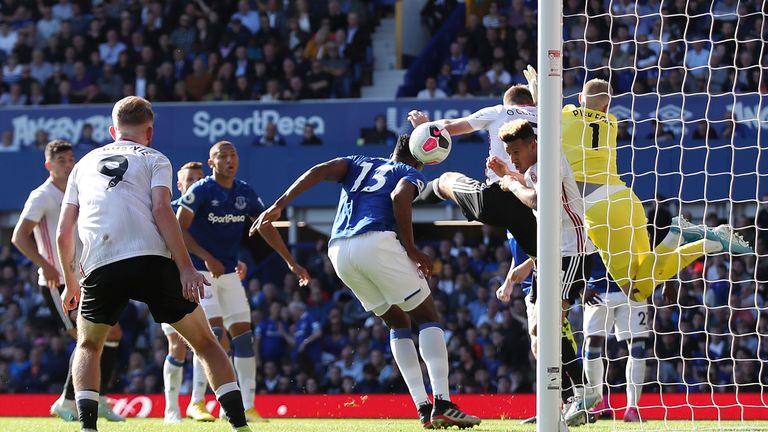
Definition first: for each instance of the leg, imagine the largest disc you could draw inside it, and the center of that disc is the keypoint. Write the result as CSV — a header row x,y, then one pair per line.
x,y
109,356
196,331
196,409
404,352
173,369
86,370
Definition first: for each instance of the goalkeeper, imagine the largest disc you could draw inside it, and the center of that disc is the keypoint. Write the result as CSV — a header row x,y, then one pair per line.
x,y
615,217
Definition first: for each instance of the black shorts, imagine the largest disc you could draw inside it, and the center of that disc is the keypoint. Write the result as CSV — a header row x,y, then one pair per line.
x,y
575,272
492,206
52,299
153,280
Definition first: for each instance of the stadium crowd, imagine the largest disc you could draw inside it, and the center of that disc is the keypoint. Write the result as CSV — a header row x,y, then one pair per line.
x,y
318,339
79,52
640,47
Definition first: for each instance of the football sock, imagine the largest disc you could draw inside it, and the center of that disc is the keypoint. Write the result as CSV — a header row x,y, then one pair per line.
x,y
108,361
429,195
245,365
435,355
172,375
199,381
635,373
407,359
594,368
231,402
87,408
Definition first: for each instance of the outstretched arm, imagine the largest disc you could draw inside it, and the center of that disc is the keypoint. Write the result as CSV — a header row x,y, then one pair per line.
x,y
269,233
460,126
332,170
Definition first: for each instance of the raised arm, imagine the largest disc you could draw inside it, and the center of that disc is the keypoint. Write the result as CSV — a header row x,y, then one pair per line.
x,y
402,198
332,170
192,281
460,126
525,194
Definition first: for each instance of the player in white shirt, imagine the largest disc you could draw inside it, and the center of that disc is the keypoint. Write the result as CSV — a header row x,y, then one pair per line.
x,y
119,196
35,237
486,202
519,137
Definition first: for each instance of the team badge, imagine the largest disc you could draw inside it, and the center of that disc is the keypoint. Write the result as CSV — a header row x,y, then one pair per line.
x,y
240,203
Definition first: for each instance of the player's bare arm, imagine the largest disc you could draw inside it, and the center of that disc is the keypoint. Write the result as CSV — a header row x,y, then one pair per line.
x,y
332,170
22,238
525,194
270,234
402,198
515,275
185,218
191,280
460,126
65,241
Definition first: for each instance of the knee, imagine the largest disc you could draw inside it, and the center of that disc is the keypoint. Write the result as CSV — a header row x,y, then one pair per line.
x,y
89,345
242,345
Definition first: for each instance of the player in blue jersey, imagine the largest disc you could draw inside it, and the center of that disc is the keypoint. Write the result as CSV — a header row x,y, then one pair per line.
x,y
213,214
373,252
628,320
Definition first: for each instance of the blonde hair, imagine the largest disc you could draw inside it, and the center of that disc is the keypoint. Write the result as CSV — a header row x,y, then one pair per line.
x,y
132,111
596,94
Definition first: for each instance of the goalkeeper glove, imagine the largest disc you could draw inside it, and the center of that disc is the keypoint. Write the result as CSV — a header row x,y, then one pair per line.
x,y
533,82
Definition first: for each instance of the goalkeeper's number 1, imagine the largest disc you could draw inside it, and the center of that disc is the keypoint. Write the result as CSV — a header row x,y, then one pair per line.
x,y
595,134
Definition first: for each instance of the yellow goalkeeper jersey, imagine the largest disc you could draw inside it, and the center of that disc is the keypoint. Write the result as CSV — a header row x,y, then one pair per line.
x,y
589,144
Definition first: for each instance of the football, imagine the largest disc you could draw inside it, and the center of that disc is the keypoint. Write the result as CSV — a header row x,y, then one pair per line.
x,y
430,143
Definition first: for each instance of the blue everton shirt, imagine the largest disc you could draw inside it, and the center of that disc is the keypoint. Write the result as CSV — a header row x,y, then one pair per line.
x,y
520,257
599,280
365,203
221,215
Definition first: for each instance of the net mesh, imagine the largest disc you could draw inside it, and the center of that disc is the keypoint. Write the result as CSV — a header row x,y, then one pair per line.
x,y
688,80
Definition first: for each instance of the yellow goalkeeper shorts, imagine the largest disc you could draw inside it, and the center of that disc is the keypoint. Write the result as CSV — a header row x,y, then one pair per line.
x,y
616,224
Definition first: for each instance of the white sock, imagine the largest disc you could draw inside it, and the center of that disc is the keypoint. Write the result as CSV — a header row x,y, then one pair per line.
x,y
172,375
407,359
199,381
635,375
712,246
594,369
435,355
246,378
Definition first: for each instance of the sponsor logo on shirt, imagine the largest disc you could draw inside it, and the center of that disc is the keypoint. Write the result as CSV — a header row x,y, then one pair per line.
x,y
227,218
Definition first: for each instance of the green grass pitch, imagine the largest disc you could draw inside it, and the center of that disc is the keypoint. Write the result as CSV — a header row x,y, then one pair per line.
x,y
330,425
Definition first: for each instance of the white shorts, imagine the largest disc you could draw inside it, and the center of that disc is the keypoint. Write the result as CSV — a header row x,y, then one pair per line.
x,y
225,298
618,315
168,329
377,269
530,309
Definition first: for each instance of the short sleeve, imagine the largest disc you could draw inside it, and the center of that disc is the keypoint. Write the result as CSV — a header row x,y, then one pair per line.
x,y
34,208
415,177
482,118
71,194
162,173
196,196
255,203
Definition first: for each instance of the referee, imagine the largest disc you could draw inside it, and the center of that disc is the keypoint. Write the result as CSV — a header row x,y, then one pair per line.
x,y
119,197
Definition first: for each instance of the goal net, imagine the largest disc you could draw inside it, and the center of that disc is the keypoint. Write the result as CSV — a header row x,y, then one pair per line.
x,y
689,89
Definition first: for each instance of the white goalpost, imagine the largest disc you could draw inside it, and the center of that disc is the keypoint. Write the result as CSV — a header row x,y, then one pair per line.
x,y
690,87
548,363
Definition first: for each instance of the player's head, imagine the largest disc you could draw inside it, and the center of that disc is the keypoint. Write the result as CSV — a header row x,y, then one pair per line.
x,y
596,95
402,152
223,159
518,94
520,142
59,158
133,119
188,174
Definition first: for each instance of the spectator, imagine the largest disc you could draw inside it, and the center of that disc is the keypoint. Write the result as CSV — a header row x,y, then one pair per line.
x,y
7,143
273,92
492,18
86,138
378,134
13,97
249,18
270,137
659,132
183,36
499,78
8,37
217,93
198,84
307,349
309,137
704,131
111,49
431,91
318,81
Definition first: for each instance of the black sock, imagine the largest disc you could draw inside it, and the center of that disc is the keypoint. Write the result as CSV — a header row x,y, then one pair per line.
x,y
69,386
572,364
428,195
88,411
232,404
108,360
